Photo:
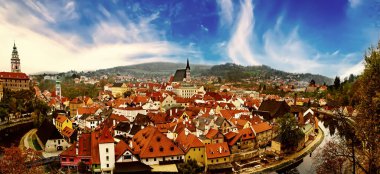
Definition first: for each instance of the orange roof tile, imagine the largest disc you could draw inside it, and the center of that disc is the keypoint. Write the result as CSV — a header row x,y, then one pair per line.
x,y
61,118
261,127
186,142
211,133
120,148
244,134
150,142
217,150
95,156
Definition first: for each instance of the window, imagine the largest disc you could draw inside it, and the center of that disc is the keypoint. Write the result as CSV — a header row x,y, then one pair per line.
x,y
224,159
194,149
189,157
107,158
127,157
201,156
63,159
212,161
155,159
108,165
199,149
71,159
106,150
146,160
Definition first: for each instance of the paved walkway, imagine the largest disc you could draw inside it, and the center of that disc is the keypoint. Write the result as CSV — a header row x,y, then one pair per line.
x,y
288,159
24,142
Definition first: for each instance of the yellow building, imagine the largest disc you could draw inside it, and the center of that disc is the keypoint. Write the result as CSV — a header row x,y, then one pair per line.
x,y
118,89
193,148
62,121
218,156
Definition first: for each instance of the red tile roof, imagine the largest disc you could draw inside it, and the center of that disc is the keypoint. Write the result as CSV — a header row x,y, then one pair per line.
x,y
120,148
13,75
150,142
61,118
67,132
95,156
185,142
244,134
217,150
261,127
211,133
105,136
87,110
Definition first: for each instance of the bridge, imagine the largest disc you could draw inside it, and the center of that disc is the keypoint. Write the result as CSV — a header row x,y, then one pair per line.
x,y
42,161
15,122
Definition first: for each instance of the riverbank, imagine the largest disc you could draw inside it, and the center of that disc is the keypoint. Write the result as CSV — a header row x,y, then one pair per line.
x,y
290,159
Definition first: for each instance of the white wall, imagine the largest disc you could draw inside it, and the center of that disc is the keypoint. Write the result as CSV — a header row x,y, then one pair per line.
x,y
103,154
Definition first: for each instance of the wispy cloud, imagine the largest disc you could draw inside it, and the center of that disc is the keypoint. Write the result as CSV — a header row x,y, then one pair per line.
x,y
282,50
239,46
354,3
114,43
226,10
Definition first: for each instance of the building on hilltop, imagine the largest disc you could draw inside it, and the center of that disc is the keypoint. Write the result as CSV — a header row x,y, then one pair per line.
x,y
183,75
15,80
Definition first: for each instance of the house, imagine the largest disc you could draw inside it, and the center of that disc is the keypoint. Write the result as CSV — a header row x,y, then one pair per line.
x,y
192,147
153,147
118,89
218,156
271,109
80,151
129,112
122,129
124,153
74,105
106,151
62,121
70,135
243,140
214,136
50,139
224,125
263,132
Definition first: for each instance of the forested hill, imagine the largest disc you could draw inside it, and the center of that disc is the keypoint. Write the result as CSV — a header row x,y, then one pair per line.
x,y
233,72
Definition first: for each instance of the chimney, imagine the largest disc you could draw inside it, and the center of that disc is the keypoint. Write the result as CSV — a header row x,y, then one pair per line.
x,y
130,144
220,149
171,112
114,122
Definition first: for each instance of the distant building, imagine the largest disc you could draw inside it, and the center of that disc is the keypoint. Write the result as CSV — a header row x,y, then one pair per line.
x,y
15,80
183,75
58,89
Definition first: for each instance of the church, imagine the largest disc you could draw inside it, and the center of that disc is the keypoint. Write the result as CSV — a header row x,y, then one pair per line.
x,y
182,75
14,80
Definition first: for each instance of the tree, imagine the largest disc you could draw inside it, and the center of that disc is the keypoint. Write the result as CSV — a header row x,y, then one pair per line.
x,y
332,158
368,119
336,83
13,161
312,82
290,133
191,166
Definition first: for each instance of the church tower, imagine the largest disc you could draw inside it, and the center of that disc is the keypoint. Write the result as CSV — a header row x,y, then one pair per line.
x,y
15,60
188,78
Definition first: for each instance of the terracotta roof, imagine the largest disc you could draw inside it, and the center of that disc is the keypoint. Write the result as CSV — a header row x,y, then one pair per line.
x,y
244,134
150,142
226,114
61,118
13,75
95,156
212,133
261,127
84,148
217,150
69,151
67,132
105,136
87,110
120,148
185,142
118,118
230,135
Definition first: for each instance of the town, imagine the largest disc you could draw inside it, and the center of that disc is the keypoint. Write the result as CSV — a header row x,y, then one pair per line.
x,y
178,125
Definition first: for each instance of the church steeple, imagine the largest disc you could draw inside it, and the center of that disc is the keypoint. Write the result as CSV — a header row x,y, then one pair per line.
x,y
188,65
15,60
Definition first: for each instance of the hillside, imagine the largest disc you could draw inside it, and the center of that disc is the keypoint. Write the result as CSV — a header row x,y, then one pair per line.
x,y
154,69
233,72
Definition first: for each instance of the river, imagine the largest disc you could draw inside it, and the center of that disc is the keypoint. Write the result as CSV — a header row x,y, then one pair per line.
x,y
307,163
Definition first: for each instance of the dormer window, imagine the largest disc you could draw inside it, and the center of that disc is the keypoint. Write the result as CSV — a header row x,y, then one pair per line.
x,y
172,148
158,139
161,149
151,149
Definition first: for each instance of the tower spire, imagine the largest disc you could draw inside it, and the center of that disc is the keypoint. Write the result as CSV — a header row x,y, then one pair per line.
x,y
15,60
188,65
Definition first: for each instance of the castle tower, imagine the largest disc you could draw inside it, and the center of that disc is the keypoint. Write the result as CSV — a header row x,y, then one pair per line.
x,y
15,60
58,89
188,78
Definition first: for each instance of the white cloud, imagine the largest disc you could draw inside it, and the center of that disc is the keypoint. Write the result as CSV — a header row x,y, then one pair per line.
x,y
44,49
284,51
354,3
226,10
239,46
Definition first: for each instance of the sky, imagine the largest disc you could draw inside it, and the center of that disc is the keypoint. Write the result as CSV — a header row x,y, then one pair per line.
x,y
320,36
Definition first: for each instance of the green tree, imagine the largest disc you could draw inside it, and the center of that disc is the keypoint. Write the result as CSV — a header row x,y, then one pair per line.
x,y
368,119
189,167
336,83
290,133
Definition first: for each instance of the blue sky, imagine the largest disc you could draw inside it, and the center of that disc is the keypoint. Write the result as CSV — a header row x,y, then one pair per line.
x,y
322,36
